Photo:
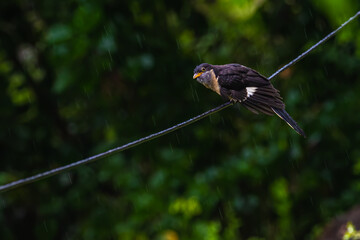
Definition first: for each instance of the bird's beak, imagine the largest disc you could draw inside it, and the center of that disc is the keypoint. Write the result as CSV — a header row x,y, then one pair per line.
x,y
196,75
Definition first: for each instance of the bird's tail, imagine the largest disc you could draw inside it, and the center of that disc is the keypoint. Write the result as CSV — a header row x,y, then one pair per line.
x,y
291,122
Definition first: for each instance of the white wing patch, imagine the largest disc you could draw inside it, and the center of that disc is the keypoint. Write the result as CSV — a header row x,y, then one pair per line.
x,y
250,91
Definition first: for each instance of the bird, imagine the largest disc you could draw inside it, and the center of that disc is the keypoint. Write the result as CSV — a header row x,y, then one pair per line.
x,y
241,84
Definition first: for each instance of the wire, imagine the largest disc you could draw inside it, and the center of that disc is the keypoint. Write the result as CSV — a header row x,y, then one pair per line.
x,y
315,46
110,152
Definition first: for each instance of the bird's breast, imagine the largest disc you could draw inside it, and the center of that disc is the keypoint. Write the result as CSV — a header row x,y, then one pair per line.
x,y
213,82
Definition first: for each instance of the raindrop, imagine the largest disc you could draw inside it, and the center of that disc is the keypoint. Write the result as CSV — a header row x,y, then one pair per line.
x,y
221,216
190,158
218,191
267,172
172,150
270,133
138,38
177,138
106,31
193,92
301,89
255,144
347,157
311,200
45,226
199,57
326,72
111,59
305,33
69,177
325,163
197,96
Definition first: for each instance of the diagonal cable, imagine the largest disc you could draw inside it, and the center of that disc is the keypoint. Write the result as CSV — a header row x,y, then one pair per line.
x,y
132,144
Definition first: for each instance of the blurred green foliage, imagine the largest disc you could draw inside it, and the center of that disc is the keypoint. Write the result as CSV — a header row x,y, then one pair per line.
x,y
79,77
351,232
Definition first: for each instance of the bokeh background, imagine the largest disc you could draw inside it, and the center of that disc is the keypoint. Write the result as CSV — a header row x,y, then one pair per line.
x,y
80,77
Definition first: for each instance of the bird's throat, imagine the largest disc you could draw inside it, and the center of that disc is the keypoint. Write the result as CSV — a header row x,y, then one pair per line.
x,y
213,84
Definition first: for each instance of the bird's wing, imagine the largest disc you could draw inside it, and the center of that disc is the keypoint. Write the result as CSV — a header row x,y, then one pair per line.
x,y
237,77
255,79
247,86
263,99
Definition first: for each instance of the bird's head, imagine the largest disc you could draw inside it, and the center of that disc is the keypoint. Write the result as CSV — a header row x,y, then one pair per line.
x,y
203,74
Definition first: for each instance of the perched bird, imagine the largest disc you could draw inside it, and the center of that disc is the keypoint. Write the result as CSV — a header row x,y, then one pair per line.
x,y
246,86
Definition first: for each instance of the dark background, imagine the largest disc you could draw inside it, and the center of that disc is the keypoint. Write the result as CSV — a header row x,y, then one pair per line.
x,y
80,77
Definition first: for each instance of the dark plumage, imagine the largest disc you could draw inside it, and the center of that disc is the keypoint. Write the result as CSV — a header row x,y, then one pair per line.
x,y
242,84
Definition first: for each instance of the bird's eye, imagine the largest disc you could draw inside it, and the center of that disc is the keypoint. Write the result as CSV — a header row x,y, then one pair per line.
x,y
203,69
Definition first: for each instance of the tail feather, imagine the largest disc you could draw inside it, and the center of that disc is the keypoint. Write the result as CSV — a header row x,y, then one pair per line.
x,y
291,122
